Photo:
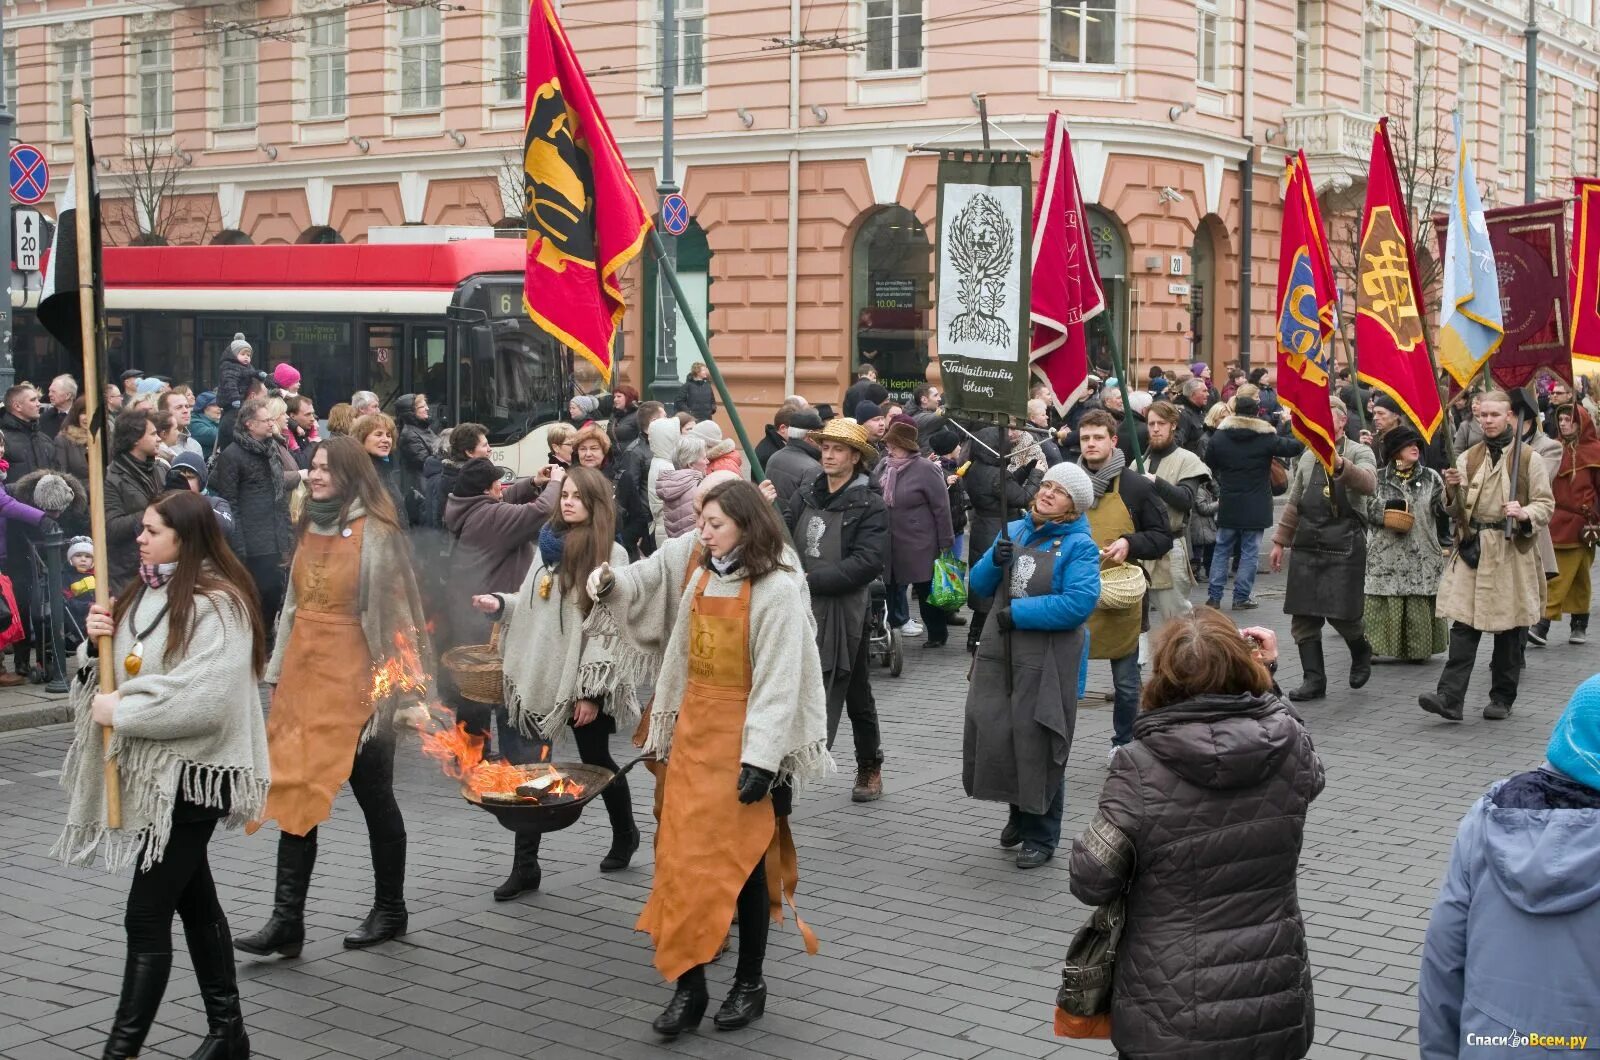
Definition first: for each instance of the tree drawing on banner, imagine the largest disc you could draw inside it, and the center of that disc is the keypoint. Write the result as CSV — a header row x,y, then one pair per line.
x,y
981,242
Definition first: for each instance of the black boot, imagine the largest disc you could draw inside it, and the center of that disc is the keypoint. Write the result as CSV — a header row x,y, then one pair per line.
x,y
1315,683
144,980
745,1004
624,833
1539,633
525,871
1360,662
285,931
388,917
212,954
687,1007
1580,630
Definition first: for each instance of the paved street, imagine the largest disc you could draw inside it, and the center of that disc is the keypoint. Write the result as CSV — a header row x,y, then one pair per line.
x,y
933,944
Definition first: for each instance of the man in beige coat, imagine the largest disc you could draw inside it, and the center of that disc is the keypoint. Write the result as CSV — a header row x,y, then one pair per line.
x,y
1503,593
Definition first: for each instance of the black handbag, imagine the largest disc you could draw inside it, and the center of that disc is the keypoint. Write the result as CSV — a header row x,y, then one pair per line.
x,y
1090,966
1470,550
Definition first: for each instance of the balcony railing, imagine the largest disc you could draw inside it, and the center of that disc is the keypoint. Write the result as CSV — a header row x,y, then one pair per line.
x,y
1331,134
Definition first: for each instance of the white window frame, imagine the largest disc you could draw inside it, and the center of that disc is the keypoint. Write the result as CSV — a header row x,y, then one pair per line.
x,y
902,14
1467,96
1304,51
1208,42
67,79
1547,135
1425,90
1086,11
511,51
690,16
1371,68
238,60
153,68
1583,132
327,61
421,36
12,82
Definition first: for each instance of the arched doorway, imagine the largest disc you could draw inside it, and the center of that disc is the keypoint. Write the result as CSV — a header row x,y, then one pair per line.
x,y
891,274
320,234
694,275
1111,255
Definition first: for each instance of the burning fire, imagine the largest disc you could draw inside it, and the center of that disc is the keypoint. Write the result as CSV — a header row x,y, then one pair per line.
x,y
400,672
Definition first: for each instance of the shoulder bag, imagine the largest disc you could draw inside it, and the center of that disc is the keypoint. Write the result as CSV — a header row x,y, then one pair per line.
x,y
1087,974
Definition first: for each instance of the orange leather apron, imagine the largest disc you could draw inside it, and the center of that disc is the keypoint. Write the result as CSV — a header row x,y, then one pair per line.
x,y
324,696
709,842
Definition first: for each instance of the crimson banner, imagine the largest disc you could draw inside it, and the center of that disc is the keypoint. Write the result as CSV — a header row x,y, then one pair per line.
x,y
1586,274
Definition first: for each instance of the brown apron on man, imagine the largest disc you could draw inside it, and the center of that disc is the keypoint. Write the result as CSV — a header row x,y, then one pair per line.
x,y
1113,634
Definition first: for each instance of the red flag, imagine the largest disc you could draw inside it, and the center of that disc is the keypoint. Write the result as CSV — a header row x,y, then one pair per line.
x,y
1065,289
585,219
1586,275
1391,349
1306,300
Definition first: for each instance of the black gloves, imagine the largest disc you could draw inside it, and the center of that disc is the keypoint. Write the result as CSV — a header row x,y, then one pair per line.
x,y
1002,618
754,784
1005,550
1020,475
48,525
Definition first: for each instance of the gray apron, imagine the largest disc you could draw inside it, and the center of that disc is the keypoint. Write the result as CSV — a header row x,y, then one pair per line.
x,y
841,620
1015,748
1328,561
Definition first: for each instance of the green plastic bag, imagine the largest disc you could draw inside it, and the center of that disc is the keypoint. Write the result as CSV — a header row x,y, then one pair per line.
x,y
949,589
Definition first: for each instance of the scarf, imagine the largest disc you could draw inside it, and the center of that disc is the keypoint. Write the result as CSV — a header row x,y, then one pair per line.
x,y
5,465
551,544
1497,446
156,575
891,471
1101,480
725,565
325,514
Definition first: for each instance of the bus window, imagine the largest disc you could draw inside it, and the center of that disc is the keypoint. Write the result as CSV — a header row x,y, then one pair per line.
x,y
516,382
164,345
216,333
320,350
430,374
383,363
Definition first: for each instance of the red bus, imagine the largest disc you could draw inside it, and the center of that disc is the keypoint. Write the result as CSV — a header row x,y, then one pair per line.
x,y
442,319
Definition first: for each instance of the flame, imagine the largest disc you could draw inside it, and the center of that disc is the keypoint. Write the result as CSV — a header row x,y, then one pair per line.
x,y
400,672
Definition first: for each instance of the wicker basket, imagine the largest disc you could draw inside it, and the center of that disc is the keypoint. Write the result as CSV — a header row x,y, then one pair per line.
x,y
477,670
1122,586
1400,520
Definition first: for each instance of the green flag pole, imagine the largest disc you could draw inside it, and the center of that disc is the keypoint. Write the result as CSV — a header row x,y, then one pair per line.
x,y
1121,365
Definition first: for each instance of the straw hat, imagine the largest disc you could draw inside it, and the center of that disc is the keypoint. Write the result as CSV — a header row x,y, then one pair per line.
x,y
854,435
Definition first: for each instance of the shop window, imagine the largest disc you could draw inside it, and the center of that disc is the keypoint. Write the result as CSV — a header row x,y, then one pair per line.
x,y
1111,255
891,275
1202,294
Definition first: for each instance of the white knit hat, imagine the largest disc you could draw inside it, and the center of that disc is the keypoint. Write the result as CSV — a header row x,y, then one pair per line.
x,y
716,444
80,546
1075,480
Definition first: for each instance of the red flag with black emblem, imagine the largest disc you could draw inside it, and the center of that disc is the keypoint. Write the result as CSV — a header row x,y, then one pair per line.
x,y
584,216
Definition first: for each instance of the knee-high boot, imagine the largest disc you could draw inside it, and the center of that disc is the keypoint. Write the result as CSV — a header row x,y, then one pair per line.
x,y
388,917
624,832
285,931
525,871
1315,684
144,980
214,970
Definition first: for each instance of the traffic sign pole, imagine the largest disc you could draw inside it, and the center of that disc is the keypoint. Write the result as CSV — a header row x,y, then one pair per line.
x,y
8,370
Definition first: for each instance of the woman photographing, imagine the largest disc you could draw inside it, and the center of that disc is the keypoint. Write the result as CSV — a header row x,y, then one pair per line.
x,y
351,601
557,675
191,750
740,716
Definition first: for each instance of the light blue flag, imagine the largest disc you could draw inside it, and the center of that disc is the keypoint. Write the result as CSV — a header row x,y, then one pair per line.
x,y
1470,324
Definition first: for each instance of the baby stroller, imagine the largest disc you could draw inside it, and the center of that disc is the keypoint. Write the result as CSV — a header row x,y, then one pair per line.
x,y
883,645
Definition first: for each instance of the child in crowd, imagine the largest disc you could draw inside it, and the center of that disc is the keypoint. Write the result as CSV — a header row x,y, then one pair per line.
x,y
79,582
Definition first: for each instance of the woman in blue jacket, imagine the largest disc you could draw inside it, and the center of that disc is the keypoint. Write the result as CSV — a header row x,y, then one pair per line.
x,y
1022,703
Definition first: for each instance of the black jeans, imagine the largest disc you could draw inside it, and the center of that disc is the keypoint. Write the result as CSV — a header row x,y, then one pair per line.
x,y
754,924
594,748
1505,664
271,580
179,883
861,707
933,618
372,783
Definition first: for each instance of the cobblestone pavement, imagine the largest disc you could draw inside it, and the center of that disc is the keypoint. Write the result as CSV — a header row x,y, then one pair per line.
x,y
933,944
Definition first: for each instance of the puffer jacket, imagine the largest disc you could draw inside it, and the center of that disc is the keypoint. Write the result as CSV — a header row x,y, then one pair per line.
x,y
1212,965
662,437
27,447
676,488
233,382
249,475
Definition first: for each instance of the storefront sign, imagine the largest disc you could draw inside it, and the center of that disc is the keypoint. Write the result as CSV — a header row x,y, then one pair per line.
x,y
894,292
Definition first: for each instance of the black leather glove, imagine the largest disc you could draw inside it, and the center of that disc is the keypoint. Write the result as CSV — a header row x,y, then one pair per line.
x,y
48,525
1002,618
1020,475
754,784
1005,550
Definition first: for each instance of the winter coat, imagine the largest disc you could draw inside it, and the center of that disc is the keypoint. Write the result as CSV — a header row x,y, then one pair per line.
x,y
204,430
919,523
1324,524
388,471
794,466
250,478
27,447
663,439
1407,564
676,488
440,478
411,451
130,487
984,479
494,548
629,470
72,452
697,396
863,534
13,511
771,441
1191,426
1238,456
52,419
1576,486
233,382
1212,965
1510,944
1507,589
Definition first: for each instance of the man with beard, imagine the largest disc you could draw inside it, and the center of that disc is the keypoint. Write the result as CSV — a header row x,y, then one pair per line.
x,y
1177,476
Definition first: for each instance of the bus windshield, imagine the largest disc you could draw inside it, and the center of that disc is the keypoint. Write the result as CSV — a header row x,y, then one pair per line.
x,y
513,376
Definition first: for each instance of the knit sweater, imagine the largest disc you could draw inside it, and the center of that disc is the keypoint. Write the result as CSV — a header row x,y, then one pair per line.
x,y
550,662
785,726
193,729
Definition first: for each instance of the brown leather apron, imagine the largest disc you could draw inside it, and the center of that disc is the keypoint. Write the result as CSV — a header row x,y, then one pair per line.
x,y
1113,634
324,697
709,842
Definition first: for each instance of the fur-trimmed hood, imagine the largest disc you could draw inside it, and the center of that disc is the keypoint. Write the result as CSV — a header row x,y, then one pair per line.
x,y
23,490
1246,423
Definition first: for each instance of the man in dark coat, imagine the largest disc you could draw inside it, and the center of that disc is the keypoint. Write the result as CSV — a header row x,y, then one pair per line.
x,y
865,388
1324,526
775,436
697,396
249,476
1192,397
1239,456
630,468
840,527
62,393
27,447
799,461
132,482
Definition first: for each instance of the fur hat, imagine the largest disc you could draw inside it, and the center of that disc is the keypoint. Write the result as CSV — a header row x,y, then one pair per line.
x,y
854,435
902,434
1396,438
945,440
1075,480
52,494
286,375
80,546
716,444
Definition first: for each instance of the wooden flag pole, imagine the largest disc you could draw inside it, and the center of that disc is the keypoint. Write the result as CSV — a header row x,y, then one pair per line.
x,y
92,401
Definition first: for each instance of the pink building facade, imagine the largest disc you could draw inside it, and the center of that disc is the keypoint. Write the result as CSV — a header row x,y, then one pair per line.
x,y
796,140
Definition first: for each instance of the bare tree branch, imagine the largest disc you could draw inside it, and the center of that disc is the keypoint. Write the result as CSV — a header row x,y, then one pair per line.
x,y
159,211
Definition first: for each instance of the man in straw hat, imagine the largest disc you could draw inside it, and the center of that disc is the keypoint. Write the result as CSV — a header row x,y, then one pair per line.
x,y
840,527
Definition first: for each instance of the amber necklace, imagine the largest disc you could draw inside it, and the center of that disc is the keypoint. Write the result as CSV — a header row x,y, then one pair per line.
x,y
133,662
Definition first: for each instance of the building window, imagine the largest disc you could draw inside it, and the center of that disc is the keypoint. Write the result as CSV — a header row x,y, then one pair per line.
x,y
421,45
11,80
1467,95
513,42
1083,32
894,35
1583,134
1371,69
891,283
1302,51
155,83
238,60
1205,51
1547,134
325,58
1506,148
691,18
1426,124
75,80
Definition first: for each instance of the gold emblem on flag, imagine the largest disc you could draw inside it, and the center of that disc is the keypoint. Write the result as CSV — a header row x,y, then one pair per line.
x,y
558,183
1384,292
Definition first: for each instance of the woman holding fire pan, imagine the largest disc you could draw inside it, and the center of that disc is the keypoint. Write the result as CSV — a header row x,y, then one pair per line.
x,y
555,673
351,646
739,718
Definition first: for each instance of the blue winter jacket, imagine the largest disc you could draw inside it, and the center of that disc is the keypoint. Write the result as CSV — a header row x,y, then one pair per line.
x,y
1075,582
1511,949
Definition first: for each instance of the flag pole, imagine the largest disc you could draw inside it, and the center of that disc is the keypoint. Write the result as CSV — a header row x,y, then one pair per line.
x,y
1121,365
664,263
92,399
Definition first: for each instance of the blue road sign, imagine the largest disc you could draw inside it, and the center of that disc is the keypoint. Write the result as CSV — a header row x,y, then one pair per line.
x,y
674,213
30,175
